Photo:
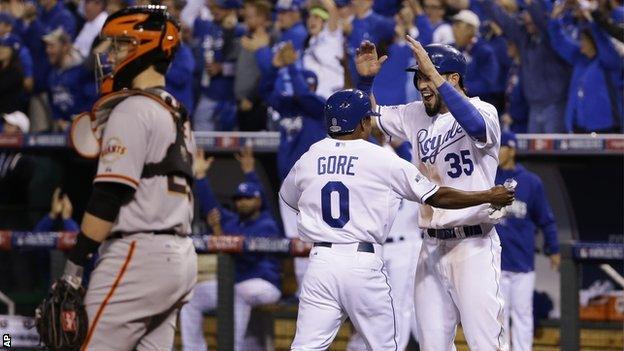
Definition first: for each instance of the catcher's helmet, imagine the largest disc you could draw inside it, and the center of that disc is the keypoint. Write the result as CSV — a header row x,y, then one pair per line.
x,y
345,109
445,58
154,36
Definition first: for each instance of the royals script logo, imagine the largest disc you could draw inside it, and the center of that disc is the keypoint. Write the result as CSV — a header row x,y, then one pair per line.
x,y
430,146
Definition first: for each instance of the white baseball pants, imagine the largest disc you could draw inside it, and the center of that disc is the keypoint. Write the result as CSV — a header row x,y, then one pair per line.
x,y
518,292
400,258
247,294
459,281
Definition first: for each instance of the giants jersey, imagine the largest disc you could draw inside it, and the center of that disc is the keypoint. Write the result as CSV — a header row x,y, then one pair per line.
x,y
139,131
350,191
447,155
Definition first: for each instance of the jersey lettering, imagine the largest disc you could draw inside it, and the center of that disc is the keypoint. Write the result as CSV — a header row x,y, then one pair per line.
x,y
336,165
430,147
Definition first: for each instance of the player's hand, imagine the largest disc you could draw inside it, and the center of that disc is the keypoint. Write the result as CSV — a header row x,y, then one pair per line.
x,y
425,66
245,105
258,40
214,221
68,209
201,164
230,21
214,68
555,261
367,62
246,159
501,196
56,207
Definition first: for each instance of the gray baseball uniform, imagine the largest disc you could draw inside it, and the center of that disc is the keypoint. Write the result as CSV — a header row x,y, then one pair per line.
x,y
142,276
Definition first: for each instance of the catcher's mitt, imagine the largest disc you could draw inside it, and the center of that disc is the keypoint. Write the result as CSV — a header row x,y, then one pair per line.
x,y
61,318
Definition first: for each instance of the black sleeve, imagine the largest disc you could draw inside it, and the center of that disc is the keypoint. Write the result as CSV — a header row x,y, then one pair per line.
x,y
107,198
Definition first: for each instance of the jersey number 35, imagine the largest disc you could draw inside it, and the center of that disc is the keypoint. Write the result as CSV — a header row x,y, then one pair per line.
x,y
459,163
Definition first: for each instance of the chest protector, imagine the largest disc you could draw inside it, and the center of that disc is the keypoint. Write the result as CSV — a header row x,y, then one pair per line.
x,y
87,129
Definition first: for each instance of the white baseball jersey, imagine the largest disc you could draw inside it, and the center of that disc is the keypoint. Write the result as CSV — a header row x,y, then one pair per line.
x,y
139,131
447,156
350,191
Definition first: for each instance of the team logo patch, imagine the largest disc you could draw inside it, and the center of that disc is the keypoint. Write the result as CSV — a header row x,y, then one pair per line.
x,y
334,128
68,321
113,150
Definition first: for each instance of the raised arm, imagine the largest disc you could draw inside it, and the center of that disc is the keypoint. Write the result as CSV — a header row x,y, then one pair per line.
x,y
539,14
466,114
607,55
511,28
567,48
334,17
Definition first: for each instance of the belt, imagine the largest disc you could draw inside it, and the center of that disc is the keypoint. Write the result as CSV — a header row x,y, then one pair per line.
x,y
362,247
120,235
456,232
391,240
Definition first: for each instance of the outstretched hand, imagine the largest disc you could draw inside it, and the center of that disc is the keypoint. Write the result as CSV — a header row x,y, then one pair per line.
x,y
425,66
367,62
246,159
201,165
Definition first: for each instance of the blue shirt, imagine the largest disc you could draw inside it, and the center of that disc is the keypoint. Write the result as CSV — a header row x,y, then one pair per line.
x,y
71,91
179,77
594,102
212,40
47,224
296,34
391,81
374,28
46,22
529,211
387,8
248,265
483,69
301,115
545,76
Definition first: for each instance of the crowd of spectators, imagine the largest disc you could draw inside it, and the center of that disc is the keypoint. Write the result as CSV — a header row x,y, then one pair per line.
x,y
548,67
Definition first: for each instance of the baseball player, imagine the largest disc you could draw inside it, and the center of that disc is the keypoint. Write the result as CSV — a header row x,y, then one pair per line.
x,y
517,233
258,279
347,191
400,255
140,210
456,142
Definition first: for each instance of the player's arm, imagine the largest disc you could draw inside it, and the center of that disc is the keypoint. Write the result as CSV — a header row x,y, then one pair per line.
x,y
368,65
410,184
542,215
466,114
451,198
124,150
289,192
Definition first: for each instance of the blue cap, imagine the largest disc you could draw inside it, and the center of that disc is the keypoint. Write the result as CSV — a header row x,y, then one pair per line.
x,y
345,109
11,40
310,77
289,5
229,4
509,139
7,18
247,189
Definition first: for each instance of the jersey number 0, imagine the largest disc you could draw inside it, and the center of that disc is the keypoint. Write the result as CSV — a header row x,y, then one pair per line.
x,y
343,202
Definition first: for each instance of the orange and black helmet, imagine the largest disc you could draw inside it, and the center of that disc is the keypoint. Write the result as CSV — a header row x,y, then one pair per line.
x,y
154,36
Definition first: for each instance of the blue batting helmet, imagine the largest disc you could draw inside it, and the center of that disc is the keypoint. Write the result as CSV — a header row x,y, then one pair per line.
x,y
345,109
445,58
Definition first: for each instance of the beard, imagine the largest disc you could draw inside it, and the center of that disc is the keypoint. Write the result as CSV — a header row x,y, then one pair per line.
x,y
434,109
